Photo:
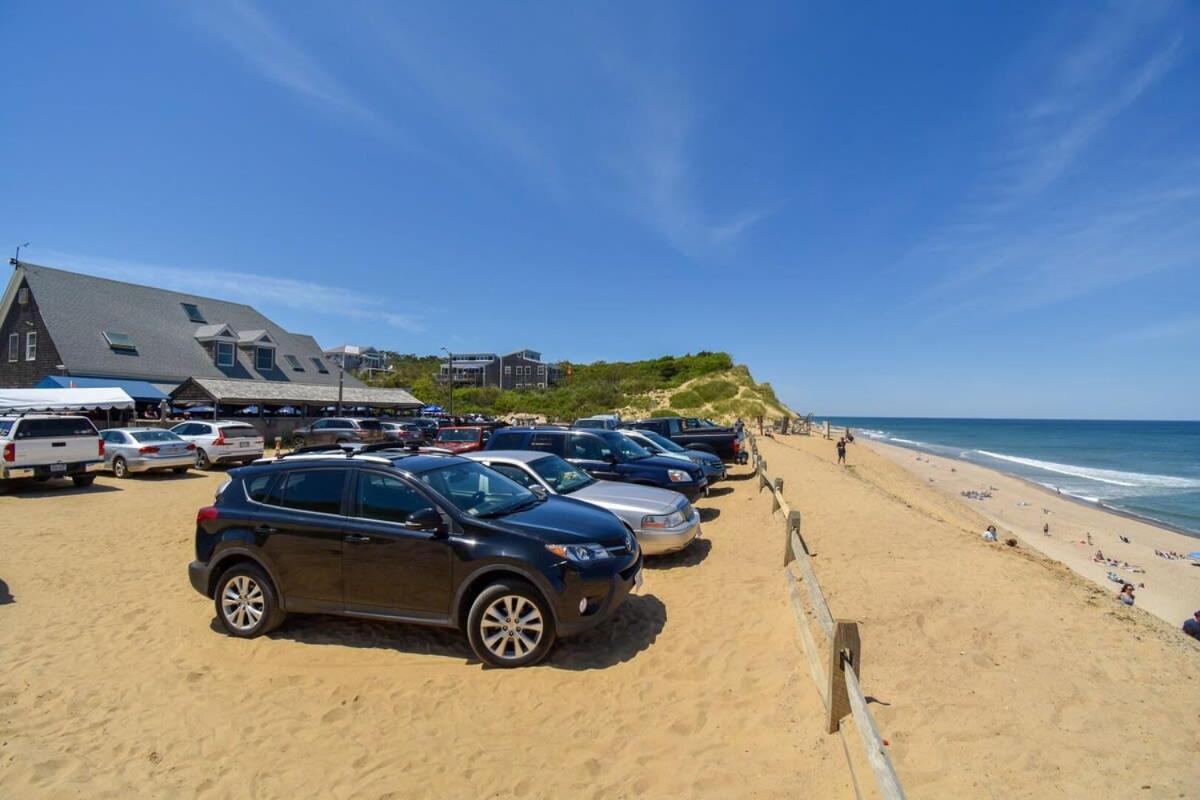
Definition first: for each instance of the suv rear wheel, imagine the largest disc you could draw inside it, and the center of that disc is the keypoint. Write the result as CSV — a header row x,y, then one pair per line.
x,y
83,480
247,605
202,461
510,625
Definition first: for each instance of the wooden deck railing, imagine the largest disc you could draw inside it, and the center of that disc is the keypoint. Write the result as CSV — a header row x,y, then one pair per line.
x,y
838,683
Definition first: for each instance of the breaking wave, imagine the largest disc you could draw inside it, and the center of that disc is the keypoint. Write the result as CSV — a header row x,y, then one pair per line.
x,y
1114,477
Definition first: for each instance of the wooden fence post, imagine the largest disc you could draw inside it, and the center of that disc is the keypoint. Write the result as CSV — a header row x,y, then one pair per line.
x,y
846,647
776,494
793,524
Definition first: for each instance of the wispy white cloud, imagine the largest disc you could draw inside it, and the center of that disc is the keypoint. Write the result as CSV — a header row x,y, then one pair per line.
x,y
276,56
1173,329
264,292
1047,223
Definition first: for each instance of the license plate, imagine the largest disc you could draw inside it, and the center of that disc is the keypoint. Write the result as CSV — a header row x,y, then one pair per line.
x,y
243,444
637,580
58,467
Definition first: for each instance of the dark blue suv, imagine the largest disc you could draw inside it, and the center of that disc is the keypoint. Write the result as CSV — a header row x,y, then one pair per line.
x,y
607,455
412,537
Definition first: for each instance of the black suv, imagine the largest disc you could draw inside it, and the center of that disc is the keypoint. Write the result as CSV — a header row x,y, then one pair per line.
x,y
414,537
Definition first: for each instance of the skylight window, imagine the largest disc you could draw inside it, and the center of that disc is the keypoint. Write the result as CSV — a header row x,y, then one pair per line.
x,y
294,363
193,312
320,365
120,342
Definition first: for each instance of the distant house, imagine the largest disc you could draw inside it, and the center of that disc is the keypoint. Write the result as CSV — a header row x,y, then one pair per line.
x,y
520,369
352,357
62,325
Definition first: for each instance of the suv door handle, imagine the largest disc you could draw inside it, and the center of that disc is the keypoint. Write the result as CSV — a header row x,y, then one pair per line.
x,y
355,538
266,529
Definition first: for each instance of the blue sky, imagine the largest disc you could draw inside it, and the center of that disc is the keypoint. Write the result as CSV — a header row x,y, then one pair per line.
x,y
896,209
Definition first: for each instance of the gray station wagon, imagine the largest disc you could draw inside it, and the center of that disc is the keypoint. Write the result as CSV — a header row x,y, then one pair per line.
x,y
663,520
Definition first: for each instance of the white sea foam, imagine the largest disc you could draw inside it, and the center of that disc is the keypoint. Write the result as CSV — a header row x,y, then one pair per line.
x,y
1137,480
905,441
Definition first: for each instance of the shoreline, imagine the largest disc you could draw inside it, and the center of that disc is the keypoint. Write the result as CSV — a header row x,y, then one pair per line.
x,y
1052,492
1020,507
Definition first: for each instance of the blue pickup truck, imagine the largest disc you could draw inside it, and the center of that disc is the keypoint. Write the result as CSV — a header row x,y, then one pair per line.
x,y
606,455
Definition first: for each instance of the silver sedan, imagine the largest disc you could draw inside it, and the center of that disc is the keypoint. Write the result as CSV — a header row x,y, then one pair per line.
x,y
130,450
663,521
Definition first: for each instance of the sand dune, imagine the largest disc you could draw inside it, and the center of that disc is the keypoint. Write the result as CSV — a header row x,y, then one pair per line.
x,y
1001,672
115,683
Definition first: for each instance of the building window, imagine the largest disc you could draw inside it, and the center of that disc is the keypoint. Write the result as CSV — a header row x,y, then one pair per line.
x,y
508,370
31,346
320,365
120,342
225,354
14,346
294,363
264,359
528,370
542,369
193,312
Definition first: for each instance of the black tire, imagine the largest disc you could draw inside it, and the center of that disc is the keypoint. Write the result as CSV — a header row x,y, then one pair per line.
x,y
202,461
481,632
83,481
237,617
180,470
120,468
297,442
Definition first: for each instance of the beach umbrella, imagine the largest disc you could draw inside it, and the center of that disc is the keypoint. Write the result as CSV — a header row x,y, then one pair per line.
x,y
431,410
200,410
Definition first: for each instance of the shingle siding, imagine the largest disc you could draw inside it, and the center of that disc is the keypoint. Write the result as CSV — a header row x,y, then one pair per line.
x,y
23,320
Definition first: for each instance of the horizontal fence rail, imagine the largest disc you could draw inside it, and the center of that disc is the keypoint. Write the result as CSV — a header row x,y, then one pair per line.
x,y
838,683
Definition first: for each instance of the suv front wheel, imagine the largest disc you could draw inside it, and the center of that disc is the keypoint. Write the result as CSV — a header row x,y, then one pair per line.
x,y
510,625
247,605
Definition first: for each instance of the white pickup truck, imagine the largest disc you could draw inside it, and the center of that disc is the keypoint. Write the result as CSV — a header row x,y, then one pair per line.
x,y
43,446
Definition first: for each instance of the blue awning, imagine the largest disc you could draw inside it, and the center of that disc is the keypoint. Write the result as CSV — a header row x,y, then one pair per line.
x,y
141,391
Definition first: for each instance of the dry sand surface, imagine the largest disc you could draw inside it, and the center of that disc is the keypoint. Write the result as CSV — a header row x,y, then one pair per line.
x,y
1000,673
115,684
1172,587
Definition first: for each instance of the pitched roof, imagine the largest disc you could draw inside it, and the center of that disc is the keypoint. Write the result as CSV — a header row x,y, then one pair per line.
x,y
233,391
78,309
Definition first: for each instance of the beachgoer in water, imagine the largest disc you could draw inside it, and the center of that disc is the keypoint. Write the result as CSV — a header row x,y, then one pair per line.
x,y
1126,595
841,451
1192,626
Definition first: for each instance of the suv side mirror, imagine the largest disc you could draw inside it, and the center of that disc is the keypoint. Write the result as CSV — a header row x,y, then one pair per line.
x,y
425,519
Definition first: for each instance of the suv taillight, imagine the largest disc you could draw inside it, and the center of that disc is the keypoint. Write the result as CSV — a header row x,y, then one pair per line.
x,y
10,452
100,448
207,513
220,440
736,446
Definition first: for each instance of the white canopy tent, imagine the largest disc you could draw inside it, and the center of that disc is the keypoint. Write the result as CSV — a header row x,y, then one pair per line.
x,y
12,400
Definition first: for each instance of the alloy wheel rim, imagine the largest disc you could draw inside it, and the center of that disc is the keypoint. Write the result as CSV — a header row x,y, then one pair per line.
x,y
119,468
243,603
511,627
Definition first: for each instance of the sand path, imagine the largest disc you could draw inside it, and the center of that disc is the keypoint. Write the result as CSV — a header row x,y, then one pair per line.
x,y
1001,672
115,684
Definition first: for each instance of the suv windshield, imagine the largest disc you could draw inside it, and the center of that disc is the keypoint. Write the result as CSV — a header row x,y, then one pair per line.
x,y
562,476
662,441
458,435
155,436
628,448
476,490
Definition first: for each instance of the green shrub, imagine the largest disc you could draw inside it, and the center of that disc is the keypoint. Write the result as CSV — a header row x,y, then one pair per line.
x,y
686,399
712,391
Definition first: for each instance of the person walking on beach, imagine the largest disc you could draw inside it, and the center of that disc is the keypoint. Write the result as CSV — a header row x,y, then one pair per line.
x,y
841,451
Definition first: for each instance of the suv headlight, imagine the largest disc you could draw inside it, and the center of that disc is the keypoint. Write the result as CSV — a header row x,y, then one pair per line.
x,y
672,520
579,553
678,476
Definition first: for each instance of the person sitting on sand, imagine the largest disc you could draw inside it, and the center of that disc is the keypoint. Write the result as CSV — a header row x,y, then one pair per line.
x,y
841,451
1126,595
990,534
1192,626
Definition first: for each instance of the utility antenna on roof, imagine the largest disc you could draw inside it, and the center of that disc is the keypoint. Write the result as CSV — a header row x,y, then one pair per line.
x,y
16,260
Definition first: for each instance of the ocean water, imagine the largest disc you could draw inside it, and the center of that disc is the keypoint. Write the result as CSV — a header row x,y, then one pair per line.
x,y
1151,469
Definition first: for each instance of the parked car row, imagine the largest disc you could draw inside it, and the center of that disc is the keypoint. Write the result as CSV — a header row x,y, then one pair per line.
x,y
535,533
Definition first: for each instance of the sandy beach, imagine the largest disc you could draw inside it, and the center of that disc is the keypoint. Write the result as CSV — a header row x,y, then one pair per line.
x,y
1172,587
998,671
115,683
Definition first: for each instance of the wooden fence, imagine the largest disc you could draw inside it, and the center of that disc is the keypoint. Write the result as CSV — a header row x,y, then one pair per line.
x,y
838,682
